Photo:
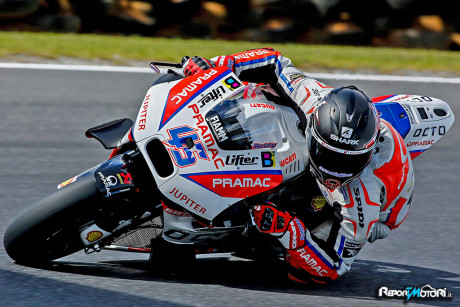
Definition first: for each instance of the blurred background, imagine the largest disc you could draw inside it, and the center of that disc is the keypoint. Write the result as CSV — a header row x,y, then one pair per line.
x,y
389,23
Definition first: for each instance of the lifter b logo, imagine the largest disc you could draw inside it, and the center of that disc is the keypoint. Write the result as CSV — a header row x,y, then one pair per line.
x,y
231,83
268,158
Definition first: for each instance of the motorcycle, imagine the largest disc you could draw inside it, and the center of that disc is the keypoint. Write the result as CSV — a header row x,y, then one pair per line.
x,y
182,179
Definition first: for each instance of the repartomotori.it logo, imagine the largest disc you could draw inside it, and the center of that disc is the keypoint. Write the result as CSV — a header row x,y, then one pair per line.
x,y
424,292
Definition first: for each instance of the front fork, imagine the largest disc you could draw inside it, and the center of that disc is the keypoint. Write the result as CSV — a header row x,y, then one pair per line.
x,y
120,181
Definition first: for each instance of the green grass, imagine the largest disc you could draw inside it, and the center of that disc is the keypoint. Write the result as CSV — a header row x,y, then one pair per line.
x,y
122,49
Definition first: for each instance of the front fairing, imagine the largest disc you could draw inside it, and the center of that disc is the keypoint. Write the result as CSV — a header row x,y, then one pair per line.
x,y
222,148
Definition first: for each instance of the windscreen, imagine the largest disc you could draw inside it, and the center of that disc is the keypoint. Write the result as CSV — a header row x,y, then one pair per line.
x,y
241,124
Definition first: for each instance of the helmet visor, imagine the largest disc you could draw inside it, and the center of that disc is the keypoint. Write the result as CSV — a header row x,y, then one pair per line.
x,y
338,167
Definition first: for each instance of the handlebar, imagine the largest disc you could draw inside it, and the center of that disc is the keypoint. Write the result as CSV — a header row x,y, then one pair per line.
x,y
153,66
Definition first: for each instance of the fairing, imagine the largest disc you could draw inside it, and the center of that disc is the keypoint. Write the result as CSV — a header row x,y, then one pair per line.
x,y
223,148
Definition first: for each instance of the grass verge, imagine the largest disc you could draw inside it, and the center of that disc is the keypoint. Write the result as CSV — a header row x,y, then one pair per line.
x,y
122,49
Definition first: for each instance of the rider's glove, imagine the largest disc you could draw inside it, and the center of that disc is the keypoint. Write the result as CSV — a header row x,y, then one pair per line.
x,y
195,65
305,266
289,230
380,231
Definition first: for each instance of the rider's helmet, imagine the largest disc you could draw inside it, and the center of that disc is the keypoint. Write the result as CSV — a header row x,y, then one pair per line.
x,y
342,133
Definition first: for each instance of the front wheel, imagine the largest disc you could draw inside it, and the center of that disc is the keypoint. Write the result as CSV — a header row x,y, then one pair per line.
x,y
50,229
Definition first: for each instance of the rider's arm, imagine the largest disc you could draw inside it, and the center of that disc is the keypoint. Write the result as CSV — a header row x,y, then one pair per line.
x,y
268,66
391,219
393,167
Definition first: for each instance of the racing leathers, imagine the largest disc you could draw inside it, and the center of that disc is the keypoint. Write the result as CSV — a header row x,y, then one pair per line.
x,y
365,210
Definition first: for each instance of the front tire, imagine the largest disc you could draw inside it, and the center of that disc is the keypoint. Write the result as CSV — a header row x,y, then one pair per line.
x,y
50,229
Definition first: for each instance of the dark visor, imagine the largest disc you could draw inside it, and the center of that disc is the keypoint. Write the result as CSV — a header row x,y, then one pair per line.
x,y
331,164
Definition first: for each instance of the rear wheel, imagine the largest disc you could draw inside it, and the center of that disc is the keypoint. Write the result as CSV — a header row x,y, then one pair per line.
x,y
50,229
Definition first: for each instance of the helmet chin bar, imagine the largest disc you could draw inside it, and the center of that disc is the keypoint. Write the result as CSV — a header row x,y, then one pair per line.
x,y
331,183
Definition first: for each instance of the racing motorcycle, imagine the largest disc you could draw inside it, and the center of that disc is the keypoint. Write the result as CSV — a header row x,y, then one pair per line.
x,y
183,177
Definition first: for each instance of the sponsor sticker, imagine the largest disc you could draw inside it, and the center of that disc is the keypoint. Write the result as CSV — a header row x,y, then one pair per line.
x,y
430,131
67,182
143,114
268,158
293,77
186,201
238,184
351,249
125,178
218,129
206,135
346,132
318,202
288,160
211,96
335,174
240,160
262,106
312,261
420,143
343,140
93,236
108,182
359,206
231,83
257,54
269,145
189,88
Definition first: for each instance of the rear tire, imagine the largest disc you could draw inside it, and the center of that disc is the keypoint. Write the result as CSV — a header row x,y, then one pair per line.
x,y
50,229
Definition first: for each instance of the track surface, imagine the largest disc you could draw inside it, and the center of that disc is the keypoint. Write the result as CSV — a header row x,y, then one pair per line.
x,y
43,117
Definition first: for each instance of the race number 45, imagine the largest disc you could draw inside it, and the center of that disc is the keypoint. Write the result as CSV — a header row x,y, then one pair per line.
x,y
185,146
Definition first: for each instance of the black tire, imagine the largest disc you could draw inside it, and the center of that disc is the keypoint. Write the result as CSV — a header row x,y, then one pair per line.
x,y
49,229
167,257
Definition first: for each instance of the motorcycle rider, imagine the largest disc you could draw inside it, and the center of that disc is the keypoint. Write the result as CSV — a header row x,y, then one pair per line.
x,y
360,163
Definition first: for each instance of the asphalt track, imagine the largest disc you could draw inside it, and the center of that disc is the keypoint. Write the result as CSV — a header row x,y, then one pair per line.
x,y
43,117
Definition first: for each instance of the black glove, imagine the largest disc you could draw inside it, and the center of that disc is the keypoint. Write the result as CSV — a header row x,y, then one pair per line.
x,y
195,65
